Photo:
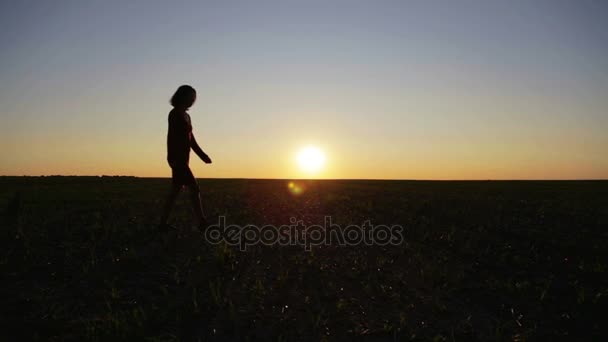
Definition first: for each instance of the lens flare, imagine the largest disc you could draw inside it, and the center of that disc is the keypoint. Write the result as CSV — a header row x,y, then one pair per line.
x,y
295,188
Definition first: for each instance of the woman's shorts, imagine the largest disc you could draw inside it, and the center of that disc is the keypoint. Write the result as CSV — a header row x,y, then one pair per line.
x,y
182,176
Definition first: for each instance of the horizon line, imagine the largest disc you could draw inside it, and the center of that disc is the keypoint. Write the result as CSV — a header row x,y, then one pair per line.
x,y
331,179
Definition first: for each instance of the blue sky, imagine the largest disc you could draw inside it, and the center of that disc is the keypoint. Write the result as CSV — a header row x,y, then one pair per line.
x,y
388,89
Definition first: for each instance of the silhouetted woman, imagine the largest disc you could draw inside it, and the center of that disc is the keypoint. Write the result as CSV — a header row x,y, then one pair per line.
x,y
179,142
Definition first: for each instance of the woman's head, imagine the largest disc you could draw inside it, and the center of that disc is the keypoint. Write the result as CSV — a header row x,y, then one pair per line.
x,y
184,97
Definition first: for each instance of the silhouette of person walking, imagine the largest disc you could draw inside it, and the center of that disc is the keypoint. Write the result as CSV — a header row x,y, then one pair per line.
x,y
179,142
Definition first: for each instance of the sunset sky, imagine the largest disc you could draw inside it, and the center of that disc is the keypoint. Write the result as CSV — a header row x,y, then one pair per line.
x,y
385,89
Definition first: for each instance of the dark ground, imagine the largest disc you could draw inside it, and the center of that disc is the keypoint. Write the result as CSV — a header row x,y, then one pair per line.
x,y
487,260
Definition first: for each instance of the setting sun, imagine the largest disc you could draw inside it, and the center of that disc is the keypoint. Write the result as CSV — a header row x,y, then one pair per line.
x,y
311,159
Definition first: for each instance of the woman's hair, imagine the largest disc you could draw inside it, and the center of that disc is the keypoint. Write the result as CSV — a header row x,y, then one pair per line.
x,y
184,96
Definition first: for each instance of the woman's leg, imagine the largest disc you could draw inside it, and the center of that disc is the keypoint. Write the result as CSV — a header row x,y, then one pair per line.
x,y
197,206
170,200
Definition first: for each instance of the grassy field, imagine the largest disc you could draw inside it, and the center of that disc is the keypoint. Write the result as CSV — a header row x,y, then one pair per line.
x,y
487,260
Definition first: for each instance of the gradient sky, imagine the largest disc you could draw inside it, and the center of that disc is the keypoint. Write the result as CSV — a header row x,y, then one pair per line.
x,y
388,89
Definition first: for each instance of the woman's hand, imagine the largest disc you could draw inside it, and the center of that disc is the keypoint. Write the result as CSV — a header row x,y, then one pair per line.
x,y
206,159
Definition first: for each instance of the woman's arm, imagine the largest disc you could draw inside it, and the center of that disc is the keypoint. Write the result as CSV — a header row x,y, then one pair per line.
x,y
199,151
